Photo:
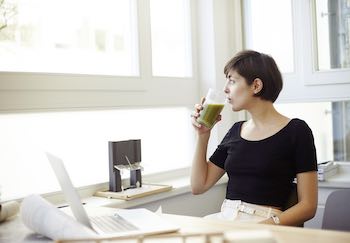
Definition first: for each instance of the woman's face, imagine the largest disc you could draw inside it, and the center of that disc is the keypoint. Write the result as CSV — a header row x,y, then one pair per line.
x,y
239,93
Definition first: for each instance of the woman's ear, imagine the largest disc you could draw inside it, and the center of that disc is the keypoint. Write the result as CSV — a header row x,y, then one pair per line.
x,y
257,85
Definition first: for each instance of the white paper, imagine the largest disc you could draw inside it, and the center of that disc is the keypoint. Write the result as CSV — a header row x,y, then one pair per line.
x,y
159,211
44,218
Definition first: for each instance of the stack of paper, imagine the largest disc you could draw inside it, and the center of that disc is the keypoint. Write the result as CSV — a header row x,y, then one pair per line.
x,y
44,218
326,170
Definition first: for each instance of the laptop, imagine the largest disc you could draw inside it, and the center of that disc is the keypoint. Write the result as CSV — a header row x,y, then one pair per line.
x,y
123,222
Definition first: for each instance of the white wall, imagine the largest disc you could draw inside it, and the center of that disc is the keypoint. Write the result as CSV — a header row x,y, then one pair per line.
x,y
81,138
190,205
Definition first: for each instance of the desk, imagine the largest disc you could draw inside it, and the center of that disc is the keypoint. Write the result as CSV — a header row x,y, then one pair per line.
x,y
284,234
15,231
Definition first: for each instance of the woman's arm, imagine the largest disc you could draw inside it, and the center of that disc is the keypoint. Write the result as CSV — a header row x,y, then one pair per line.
x,y
306,207
204,174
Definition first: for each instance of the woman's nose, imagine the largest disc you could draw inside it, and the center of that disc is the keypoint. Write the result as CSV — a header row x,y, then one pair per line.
x,y
226,90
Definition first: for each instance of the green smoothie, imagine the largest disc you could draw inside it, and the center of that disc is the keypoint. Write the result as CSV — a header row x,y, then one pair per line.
x,y
209,114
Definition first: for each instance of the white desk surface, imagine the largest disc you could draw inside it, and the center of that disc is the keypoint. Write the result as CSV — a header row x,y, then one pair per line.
x,y
14,231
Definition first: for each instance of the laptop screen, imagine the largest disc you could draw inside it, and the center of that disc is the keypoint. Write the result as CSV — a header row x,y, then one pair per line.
x,y
68,189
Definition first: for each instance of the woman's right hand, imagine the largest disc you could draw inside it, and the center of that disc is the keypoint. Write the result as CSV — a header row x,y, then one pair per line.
x,y
201,129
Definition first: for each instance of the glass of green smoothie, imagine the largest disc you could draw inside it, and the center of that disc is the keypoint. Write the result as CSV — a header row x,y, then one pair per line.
x,y
212,106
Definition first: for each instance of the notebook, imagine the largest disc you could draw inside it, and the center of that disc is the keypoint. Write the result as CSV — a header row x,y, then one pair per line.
x,y
123,222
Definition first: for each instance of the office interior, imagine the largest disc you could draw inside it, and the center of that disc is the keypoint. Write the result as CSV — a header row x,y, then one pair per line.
x,y
75,75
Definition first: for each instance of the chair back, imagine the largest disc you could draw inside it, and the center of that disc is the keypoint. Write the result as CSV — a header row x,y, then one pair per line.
x,y
336,214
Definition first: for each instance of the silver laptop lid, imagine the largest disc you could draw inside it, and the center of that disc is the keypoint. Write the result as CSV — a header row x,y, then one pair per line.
x,y
68,189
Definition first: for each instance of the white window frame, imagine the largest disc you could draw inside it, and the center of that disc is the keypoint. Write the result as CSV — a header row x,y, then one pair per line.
x,y
307,83
289,76
312,75
210,51
13,84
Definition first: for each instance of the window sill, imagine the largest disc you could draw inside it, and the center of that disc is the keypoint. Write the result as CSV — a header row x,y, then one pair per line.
x,y
179,180
339,180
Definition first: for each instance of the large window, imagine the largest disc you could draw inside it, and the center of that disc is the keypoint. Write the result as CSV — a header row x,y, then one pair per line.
x,y
96,37
108,54
330,123
84,37
69,54
341,130
268,28
171,49
318,115
309,39
333,33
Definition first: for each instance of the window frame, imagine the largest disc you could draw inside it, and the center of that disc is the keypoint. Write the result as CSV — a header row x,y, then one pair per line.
x,y
305,49
210,51
312,74
307,83
288,76
142,84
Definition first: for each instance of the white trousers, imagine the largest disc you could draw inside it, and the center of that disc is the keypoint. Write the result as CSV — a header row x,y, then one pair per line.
x,y
237,210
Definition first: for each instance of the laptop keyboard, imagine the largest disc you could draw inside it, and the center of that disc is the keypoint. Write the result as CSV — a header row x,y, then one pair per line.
x,y
112,224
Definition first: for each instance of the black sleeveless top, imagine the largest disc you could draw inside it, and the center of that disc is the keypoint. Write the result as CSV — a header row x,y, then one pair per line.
x,y
262,172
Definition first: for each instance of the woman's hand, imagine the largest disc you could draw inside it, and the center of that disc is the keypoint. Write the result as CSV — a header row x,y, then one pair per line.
x,y
201,129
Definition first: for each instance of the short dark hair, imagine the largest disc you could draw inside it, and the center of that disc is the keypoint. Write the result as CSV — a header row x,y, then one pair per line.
x,y
251,65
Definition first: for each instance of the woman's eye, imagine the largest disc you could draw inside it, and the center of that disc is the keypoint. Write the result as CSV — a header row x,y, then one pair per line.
x,y
232,81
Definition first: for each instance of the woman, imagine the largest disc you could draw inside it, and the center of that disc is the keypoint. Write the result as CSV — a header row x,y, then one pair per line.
x,y
261,156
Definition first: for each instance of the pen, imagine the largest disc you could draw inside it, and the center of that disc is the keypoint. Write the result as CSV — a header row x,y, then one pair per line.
x,y
64,206
325,162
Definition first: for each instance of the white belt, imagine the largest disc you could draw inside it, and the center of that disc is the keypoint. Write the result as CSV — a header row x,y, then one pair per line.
x,y
250,208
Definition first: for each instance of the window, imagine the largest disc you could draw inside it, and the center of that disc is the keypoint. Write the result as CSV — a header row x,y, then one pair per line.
x,y
62,36
318,116
171,41
96,37
93,54
341,130
333,33
309,41
80,53
330,124
81,138
268,28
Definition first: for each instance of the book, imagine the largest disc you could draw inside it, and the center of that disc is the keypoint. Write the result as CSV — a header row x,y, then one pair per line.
x,y
322,176
129,194
326,166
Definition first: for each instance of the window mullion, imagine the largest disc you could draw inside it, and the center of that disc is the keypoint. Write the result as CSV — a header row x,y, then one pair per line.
x,y
145,45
